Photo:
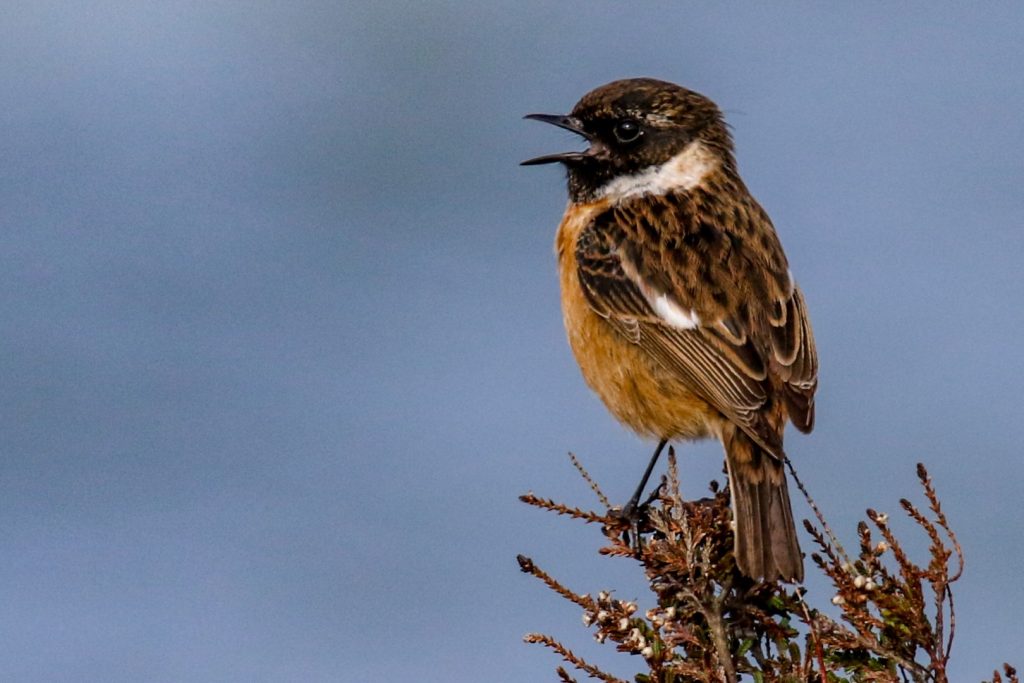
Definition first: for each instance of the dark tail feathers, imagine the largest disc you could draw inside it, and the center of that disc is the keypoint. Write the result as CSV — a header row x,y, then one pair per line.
x,y
766,545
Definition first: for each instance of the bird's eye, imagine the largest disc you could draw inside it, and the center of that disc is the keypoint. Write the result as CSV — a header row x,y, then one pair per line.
x,y
627,130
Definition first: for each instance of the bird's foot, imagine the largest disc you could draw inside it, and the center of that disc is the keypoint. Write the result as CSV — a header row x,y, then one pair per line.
x,y
636,519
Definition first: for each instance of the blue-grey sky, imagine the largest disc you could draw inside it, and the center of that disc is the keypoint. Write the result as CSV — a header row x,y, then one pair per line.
x,y
281,342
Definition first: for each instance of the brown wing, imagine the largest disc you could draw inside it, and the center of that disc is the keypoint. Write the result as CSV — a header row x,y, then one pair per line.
x,y
706,292
797,360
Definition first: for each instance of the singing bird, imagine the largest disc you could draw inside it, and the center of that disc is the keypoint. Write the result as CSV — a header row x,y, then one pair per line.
x,y
678,301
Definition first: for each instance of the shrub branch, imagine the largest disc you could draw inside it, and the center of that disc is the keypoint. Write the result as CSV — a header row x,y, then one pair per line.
x,y
710,624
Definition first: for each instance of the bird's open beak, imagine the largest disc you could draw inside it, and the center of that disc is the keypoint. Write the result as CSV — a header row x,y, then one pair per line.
x,y
567,122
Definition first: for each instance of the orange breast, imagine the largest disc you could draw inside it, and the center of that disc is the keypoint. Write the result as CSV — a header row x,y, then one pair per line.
x,y
637,390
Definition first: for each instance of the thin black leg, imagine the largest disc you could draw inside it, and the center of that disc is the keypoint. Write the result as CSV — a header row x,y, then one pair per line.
x,y
631,506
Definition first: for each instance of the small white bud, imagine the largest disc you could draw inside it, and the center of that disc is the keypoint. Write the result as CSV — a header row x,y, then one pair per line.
x,y
838,600
603,596
647,652
670,613
636,638
882,517
859,582
623,624
602,616
588,618
869,585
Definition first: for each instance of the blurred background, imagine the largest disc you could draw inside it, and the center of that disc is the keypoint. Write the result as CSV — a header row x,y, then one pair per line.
x,y
281,342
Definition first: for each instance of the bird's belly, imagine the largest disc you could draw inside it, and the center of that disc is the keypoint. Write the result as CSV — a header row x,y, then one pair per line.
x,y
637,390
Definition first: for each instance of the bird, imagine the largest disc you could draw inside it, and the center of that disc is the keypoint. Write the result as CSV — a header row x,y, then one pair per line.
x,y
678,300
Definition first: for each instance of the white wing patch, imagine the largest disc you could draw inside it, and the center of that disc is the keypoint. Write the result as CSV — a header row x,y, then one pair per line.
x,y
666,308
684,171
673,314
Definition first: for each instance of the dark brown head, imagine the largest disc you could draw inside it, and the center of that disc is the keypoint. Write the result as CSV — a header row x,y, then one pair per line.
x,y
634,127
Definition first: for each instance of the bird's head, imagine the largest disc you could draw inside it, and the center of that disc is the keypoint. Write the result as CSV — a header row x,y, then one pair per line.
x,y
644,135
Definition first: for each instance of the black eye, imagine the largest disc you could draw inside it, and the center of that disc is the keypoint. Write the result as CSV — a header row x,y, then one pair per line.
x,y
627,130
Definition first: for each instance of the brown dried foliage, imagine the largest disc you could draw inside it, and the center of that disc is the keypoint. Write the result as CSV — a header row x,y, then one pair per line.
x,y
713,625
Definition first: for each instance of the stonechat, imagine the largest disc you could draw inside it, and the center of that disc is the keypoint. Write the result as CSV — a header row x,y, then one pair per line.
x,y
678,300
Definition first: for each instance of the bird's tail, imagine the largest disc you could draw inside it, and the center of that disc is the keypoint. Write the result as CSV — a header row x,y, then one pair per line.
x,y
766,546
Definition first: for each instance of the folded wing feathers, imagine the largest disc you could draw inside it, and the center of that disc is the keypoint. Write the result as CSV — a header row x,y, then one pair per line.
x,y
715,357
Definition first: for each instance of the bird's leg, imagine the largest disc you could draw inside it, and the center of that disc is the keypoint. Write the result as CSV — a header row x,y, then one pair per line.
x,y
630,511
654,494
